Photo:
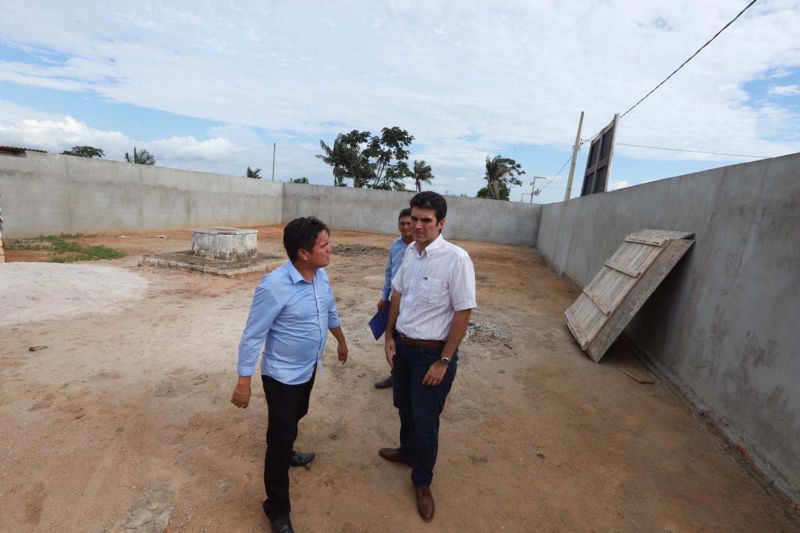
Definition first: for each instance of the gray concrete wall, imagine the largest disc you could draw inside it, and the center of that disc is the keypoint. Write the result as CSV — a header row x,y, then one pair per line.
x,y
376,211
51,194
725,325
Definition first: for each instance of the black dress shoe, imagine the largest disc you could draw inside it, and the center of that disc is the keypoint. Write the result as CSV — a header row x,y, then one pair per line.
x,y
384,383
301,459
282,524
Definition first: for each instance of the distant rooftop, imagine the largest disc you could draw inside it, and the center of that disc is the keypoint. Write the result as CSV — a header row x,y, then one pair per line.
x,y
16,150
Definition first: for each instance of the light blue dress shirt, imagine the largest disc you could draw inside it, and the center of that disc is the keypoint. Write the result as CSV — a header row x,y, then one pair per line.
x,y
289,319
396,253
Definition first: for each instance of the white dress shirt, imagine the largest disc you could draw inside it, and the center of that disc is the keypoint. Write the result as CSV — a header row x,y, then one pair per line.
x,y
434,285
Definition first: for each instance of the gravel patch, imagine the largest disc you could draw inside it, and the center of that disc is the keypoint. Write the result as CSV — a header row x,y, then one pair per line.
x,y
41,291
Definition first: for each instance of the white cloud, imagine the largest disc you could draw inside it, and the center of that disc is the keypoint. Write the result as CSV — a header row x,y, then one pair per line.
x,y
55,133
618,184
513,73
785,90
228,150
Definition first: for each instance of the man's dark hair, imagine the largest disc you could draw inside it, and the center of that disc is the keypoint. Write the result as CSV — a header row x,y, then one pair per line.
x,y
405,212
431,200
302,233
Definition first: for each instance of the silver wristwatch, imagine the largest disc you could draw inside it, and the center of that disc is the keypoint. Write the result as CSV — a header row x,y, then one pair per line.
x,y
444,360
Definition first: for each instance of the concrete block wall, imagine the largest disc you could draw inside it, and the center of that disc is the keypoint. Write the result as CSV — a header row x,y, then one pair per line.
x,y
724,324
376,211
51,194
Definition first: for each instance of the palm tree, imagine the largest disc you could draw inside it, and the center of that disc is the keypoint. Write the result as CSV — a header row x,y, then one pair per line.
x,y
348,158
421,173
255,174
142,157
501,173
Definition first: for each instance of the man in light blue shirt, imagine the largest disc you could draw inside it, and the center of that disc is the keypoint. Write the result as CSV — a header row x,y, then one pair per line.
x,y
393,262
293,310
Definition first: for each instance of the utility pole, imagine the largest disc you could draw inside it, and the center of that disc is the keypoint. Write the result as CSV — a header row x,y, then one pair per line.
x,y
273,161
575,149
534,190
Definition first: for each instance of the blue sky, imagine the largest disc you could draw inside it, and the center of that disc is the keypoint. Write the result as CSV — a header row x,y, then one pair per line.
x,y
211,87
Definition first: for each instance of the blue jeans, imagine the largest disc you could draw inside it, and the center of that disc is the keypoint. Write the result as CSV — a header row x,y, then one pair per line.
x,y
420,406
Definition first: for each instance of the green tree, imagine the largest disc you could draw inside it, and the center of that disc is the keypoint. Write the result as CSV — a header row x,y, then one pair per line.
x,y
301,179
255,174
140,157
503,193
421,173
388,155
377,162
85,151
501,174
347,158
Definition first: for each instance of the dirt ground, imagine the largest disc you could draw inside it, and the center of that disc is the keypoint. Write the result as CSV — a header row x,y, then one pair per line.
x,y
123,423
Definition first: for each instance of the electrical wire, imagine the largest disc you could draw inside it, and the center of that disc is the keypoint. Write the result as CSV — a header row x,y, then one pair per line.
x,y
748,6
693,151
548,182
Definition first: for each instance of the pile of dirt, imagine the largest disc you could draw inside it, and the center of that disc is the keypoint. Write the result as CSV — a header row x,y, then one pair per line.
x,y
485,333
358,250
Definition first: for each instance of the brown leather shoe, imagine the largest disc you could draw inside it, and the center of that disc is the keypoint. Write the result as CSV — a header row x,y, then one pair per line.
x,y
393,455
425,504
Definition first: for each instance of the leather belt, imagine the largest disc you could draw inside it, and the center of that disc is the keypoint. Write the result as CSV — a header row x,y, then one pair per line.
x,y
415,342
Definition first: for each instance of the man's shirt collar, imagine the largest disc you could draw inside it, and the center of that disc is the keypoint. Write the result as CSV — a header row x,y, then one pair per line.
x,y
437,243
295,274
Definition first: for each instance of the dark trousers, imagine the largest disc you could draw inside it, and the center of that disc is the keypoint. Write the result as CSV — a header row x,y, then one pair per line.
x,y
286,405
420,406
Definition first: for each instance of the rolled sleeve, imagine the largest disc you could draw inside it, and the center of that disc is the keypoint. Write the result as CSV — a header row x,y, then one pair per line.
x,y
262,315
397,280
333,312
462,283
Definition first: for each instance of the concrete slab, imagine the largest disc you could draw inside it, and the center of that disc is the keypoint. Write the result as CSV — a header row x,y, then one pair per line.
x,y
188,261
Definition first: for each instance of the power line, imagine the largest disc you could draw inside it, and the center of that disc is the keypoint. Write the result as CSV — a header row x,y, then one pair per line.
x,y
690,58
556,174
693,151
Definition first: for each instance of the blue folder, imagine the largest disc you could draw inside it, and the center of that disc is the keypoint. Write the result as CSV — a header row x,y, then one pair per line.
x,y
378,323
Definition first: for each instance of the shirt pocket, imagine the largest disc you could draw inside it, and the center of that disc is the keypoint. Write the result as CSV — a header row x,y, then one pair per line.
x,y
434,291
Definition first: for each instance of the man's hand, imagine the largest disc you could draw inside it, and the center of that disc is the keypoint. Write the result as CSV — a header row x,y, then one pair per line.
x,y
341,351
435,374
241,393
389,348
382,304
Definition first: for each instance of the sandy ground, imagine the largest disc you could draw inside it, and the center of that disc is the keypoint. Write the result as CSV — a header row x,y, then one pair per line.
x,y
32,291
123,423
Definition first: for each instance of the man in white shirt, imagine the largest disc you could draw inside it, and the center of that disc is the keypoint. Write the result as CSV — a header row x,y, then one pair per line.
x,y
432,300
